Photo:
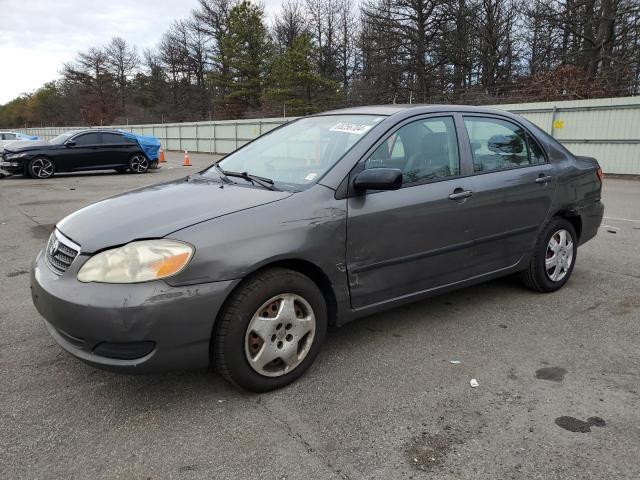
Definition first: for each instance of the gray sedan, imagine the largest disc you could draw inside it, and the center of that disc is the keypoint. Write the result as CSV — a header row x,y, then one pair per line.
x,y
328,218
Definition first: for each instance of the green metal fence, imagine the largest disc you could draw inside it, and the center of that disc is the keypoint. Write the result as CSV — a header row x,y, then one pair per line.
x,y
607,128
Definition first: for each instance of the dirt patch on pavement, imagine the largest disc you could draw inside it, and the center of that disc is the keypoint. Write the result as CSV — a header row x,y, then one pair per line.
x,y
429,451
575,425
553,374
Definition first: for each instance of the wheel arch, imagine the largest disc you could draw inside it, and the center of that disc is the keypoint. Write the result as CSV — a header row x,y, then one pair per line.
x,y
306,268
573,218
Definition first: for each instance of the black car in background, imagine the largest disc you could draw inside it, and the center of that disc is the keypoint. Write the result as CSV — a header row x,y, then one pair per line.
x,y
73,151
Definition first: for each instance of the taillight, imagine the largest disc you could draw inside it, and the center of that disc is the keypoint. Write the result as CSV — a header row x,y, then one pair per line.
x,y
599,173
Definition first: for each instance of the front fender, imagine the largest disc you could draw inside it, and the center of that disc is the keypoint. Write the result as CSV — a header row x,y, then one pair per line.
x,y
308,226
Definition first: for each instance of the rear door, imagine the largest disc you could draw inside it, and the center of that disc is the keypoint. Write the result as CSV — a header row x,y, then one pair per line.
x,y
513,187
115,150
404,242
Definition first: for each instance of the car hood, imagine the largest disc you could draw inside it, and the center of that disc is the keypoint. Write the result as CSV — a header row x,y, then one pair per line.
x,y
158,210
23,145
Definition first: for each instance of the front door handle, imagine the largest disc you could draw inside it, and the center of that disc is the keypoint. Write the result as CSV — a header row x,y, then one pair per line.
x,y
458,194
544,179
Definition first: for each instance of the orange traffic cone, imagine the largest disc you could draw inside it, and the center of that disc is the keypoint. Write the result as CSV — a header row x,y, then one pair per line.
x,y
186,162
161,158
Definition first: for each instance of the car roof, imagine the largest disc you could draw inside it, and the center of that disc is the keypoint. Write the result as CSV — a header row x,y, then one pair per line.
x,y
94,130
412,109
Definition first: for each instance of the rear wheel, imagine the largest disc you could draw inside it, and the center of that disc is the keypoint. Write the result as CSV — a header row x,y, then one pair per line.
x,y
270,330
553,258
41,167
138,163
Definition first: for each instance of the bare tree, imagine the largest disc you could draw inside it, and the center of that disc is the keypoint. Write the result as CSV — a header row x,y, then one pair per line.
x,y
289,24
122,61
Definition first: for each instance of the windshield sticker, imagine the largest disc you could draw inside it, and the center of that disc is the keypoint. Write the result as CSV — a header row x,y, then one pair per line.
x,y
311,176
350,128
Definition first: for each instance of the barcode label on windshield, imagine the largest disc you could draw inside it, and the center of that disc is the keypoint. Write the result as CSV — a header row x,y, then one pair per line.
x,y
350,128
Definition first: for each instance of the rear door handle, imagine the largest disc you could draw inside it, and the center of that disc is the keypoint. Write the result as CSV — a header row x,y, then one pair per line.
x,y
544,179
458,194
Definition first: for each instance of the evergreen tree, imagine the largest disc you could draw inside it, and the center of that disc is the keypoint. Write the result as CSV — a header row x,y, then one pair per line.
x,y
295,83
247,48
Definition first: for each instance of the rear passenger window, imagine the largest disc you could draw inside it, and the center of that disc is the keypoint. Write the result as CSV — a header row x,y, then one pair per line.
x,y
425,150
87,139
113,139
537,155
500,145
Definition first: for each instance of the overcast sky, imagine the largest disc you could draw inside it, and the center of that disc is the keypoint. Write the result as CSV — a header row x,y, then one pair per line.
x,y
38,36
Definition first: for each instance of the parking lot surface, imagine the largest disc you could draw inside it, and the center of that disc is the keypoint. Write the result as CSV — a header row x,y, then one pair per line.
x,y
558,374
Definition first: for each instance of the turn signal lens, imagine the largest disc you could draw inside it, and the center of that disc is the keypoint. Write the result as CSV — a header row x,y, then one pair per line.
x,y
137,262
599,173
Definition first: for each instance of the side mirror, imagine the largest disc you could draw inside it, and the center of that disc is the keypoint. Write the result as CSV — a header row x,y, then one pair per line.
x,y
70,143
378,179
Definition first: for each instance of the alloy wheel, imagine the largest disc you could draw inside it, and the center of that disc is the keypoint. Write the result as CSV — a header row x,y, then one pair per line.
x,y
559,256
42,168
280,335
139,164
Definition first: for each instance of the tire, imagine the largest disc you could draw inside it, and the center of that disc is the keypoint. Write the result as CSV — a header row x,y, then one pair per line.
x,y
541,277
41,168
138,163
261,302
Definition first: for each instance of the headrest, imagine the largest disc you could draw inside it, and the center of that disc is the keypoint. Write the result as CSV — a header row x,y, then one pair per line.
x,y
434,142
505,144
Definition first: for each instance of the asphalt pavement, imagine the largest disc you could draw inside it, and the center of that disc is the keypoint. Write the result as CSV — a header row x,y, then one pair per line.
x,y
558,376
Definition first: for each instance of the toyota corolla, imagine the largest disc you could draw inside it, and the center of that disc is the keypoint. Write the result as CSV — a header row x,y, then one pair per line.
x,y
328,218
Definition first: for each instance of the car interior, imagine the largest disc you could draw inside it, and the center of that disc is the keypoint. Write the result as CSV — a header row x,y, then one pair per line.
x,y
419,151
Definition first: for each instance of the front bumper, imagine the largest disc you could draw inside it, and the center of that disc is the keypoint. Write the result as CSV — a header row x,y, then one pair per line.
x,y
13,166
173,324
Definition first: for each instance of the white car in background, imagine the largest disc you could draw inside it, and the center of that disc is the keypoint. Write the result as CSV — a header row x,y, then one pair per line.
x,y
6,137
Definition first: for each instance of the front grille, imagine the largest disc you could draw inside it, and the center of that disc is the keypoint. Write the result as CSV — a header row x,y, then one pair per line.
x,y
60,252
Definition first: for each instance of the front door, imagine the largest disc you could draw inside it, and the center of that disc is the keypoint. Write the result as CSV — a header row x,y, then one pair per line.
x,y
86,154
408,241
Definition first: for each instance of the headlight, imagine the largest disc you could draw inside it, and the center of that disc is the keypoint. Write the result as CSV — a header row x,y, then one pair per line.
x,y
137,262
13,156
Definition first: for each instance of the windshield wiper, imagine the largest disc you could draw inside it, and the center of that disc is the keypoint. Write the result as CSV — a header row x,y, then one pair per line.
x,y
223,174
255,179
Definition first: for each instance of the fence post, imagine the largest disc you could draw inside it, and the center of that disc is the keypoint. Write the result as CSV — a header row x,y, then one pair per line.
x,y
197,139
236,134
553,119
180,136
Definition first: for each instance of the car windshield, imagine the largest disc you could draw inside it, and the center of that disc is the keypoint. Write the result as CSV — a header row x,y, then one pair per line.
x,y
60,139
299,153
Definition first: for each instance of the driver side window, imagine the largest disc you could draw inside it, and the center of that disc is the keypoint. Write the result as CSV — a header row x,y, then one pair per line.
x,y
425,151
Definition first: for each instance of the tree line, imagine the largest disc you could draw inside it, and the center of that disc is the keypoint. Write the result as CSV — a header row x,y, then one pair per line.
x,y
226,60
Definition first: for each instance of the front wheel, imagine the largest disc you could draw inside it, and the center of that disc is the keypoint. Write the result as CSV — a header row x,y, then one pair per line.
x,y
138,163
553,258
41,167
270,330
